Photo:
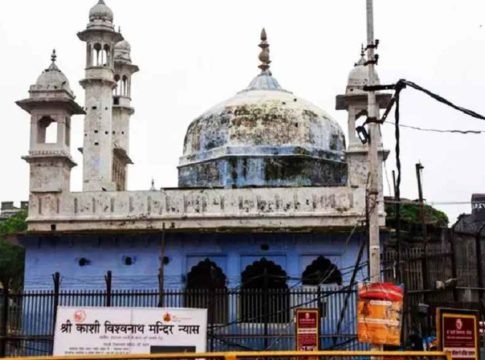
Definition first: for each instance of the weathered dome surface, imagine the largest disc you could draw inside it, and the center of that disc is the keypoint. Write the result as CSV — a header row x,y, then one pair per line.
x,y
52,78
101,11
265,118
263,136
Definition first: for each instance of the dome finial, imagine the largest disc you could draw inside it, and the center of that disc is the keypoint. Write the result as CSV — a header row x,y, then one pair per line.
x,y
362,56
101,2
53,66
264,54
53,55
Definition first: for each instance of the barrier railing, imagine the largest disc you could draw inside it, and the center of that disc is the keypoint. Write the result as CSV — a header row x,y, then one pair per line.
x,y
306,355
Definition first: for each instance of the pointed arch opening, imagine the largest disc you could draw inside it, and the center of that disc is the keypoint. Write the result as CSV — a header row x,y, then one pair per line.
x,y
321,271
96,57
124,85
264,293
206,288
47,130
106,55
117,88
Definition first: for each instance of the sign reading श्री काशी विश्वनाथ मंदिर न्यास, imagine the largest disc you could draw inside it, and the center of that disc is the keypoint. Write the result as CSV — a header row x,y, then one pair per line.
x,y
112,330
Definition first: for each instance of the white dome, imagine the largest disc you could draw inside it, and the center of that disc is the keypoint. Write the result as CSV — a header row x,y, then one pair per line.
x,y
268,137
123,45
265,117
359,77
263,136
52,79
101,11
122,51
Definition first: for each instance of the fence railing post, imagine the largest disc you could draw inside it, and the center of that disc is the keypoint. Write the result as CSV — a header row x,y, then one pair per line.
x,y
56,277
212,311
320,311
4,324
266,309
108,278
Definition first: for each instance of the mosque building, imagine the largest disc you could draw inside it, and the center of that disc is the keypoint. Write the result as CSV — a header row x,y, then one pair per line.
x,y
267,185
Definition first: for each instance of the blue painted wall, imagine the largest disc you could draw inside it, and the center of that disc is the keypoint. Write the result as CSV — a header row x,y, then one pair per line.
x,y
46,255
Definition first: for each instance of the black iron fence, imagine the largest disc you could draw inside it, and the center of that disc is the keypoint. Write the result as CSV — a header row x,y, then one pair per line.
x,y
249,319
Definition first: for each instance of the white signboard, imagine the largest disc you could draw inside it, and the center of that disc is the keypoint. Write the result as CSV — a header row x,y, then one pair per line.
x,y
111,330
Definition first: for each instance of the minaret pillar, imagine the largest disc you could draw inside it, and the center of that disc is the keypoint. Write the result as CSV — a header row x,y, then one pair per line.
x,y
100,38
122,111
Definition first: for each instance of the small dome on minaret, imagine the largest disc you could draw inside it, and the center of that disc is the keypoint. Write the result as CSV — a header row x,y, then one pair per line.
x,y
101,11
122,51
123,45
52,78
359,76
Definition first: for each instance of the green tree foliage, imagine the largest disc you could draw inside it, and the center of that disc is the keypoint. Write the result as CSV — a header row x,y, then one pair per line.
x,y
12,255
411,214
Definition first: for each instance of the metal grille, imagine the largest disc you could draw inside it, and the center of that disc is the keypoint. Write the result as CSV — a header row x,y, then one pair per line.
x,y
255,320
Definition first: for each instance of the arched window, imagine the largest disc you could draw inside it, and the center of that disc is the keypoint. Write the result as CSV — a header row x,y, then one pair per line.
x,y
106,56
125,86
321,271
117,89
97,54
46,131
206,288
264,293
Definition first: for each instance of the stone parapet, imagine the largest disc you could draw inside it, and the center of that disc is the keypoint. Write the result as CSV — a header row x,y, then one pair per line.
x,y
199,209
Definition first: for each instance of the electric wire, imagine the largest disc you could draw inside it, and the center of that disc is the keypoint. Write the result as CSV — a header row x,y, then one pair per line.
x,y
411,202
442,99
451,131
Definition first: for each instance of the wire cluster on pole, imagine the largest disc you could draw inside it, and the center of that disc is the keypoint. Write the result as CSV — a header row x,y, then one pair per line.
x,y
398,87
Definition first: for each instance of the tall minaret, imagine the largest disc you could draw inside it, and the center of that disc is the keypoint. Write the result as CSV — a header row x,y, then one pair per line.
x,y
50,105
100,38
122,111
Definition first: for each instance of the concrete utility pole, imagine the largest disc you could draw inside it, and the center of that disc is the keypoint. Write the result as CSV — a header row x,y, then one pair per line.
x,y
373,116
373,199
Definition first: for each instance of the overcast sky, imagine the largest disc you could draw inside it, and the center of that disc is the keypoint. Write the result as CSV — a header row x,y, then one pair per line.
x,y
193,54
